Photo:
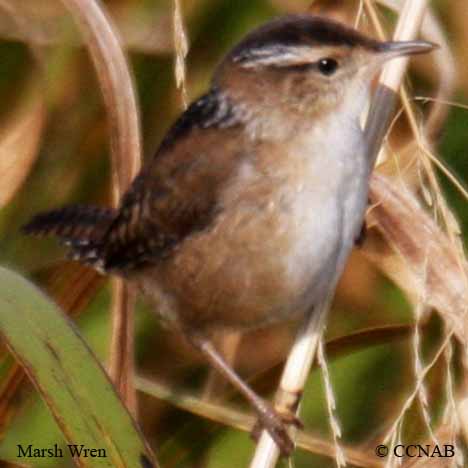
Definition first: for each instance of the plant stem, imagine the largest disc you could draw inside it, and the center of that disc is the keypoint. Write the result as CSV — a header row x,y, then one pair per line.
x,y
117,87
303,351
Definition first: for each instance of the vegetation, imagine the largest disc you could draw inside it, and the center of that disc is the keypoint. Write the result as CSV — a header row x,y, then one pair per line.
x,y
396,336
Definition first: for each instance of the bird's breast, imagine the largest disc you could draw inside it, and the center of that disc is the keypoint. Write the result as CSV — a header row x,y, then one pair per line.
x,y
274,246
323,213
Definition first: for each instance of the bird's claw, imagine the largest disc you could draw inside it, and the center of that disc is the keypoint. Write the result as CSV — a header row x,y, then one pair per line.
x,y
276,424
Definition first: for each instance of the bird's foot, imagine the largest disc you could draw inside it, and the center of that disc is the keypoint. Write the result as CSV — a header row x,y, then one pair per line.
x,y
276,424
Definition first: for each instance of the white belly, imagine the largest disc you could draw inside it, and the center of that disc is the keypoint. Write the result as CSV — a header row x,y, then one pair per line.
x,y
326,214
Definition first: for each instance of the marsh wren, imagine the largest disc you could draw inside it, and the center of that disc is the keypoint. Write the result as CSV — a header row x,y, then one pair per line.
x,y
246,214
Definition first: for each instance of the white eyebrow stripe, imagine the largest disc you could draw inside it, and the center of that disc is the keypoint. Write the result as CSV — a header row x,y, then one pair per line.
x,y
287,55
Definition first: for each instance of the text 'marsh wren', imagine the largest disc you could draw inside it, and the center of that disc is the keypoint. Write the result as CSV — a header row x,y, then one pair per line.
x,y
248,211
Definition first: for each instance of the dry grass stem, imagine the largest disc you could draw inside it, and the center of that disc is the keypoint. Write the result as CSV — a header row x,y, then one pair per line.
x,y
425,99
395,429
368,337
231,417
392,461
414,238
396,213
293,379
417,243
19,147
383,102
43,24
331,406
419,312
86,282
444,62
20,142
433,31
434,192
181,51
21,134
13,381
451,423
116,83
15,15
379,118
121,360
425,249
446,171
359,13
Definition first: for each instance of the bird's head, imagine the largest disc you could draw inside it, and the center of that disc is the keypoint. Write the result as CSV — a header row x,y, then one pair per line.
x,y
302,65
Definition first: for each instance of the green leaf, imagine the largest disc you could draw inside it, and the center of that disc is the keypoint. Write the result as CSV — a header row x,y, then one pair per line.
x,y
70,379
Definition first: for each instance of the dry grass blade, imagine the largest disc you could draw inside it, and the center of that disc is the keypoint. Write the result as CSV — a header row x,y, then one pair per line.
x,y
20,142
15,378
463,414
44,24
301,356
452,420
181,50
21,134
122,355
218,412
121,362
429,258
296,370
117,86
418,245
421,240
420,311
450,245
444,62
86,282
340,459
445,443
396,212
236,419
362,339
383,102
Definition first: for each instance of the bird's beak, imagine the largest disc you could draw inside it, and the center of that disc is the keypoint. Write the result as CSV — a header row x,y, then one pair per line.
x,y
390,50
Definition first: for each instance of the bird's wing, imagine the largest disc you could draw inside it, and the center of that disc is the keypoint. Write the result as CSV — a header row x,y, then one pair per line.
x,y
177,192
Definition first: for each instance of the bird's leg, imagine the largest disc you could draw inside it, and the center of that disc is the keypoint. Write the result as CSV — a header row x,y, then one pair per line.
x,y
274,422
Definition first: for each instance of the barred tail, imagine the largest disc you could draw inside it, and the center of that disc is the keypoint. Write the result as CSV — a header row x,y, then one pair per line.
x,y
82,228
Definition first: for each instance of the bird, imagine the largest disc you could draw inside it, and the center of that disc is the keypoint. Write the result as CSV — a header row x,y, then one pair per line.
x,y
248,210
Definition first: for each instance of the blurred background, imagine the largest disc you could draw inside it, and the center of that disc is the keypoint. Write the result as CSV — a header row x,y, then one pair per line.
x,y
54,150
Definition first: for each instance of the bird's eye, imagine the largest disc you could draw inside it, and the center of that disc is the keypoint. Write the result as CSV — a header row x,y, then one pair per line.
x,y
327,66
